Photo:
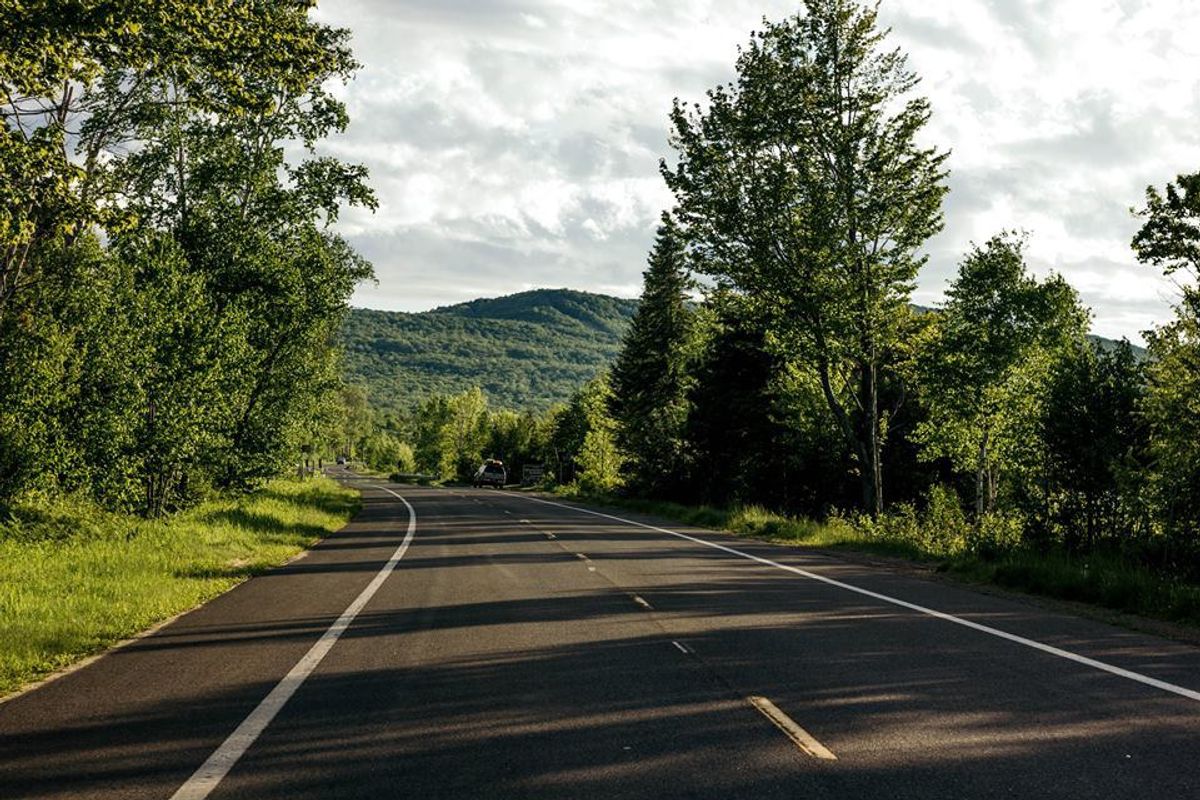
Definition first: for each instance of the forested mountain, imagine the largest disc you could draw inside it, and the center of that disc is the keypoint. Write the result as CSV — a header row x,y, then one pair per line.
x,y
527,350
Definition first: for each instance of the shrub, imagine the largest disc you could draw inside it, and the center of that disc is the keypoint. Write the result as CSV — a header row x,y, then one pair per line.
x,y
996,534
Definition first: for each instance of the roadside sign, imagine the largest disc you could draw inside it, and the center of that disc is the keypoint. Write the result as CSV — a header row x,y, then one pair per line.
x,y
532,473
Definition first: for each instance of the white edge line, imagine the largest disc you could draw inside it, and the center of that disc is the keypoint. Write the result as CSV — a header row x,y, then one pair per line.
x,y
802,738
683,648
210,774
1012,637
121,644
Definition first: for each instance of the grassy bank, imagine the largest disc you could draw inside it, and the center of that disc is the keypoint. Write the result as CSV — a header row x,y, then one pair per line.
x,y
74,580
1105,581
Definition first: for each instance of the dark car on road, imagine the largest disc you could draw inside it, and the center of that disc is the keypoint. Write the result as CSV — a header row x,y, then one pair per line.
x,y
491,473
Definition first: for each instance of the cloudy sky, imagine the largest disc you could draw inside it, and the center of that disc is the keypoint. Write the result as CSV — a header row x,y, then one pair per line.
x,y
514,143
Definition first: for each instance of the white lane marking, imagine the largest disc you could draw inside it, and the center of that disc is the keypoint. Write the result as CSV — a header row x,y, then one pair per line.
x,y
641,601
551,536
1012,637
802,738
214,770
683,648
506,511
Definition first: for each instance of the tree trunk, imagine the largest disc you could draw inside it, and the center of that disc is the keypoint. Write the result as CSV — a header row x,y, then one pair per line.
x,y
875,445
983,479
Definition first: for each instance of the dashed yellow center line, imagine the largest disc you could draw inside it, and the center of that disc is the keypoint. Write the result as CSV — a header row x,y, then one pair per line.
x,y
641,601
800,737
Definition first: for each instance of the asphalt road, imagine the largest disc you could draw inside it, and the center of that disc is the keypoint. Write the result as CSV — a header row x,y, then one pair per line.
x,y
521,649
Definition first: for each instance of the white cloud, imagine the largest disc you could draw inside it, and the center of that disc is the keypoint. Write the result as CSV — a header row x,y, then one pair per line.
x,y
515,143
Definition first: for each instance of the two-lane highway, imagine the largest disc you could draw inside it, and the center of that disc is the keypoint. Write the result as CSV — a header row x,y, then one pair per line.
x,y
490,644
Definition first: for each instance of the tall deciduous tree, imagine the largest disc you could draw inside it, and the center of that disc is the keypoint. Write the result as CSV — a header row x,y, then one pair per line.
x,y
1170,239
990,355
650,378
804,185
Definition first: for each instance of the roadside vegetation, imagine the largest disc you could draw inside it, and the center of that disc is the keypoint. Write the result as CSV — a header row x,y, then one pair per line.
x,y
990,434
75,579
171,288
942,539
171,285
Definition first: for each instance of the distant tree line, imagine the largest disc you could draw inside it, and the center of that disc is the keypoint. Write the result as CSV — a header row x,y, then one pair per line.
x,y
448,436
169,283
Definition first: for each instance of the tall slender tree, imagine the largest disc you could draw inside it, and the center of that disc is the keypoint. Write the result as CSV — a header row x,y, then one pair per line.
x,y
803,185
650,378
1170,240
984,370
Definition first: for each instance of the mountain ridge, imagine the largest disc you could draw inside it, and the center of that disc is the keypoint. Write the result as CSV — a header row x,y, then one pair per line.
x,y
526,350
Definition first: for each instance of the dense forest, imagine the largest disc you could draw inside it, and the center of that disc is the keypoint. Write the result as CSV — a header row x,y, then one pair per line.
x,y
170,284
806,382
526,351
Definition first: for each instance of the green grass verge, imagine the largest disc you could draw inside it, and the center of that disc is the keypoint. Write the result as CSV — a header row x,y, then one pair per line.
x,y
1100,580
75,580
1106,581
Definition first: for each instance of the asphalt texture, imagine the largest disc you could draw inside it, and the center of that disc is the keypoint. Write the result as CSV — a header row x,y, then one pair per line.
x,y
525,650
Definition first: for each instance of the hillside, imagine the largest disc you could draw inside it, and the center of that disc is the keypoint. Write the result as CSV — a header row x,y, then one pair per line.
x,y
526,350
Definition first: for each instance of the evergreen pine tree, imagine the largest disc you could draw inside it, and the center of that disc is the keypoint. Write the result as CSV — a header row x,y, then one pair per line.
x,y
650,377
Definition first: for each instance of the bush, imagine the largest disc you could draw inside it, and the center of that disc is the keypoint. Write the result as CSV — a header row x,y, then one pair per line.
x,y
946,528
385,453
940,529
996,534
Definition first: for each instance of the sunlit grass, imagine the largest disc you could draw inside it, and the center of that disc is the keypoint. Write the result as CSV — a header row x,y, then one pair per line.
x,y
74,580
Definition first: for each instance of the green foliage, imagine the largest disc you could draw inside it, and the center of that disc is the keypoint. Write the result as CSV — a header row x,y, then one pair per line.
x,y
803,186
356,421
1170,239
463,434
650,378
383,452
599,459
1172,409
1096,448
758,428
987,361
583,439
193,348
450,434
526,352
